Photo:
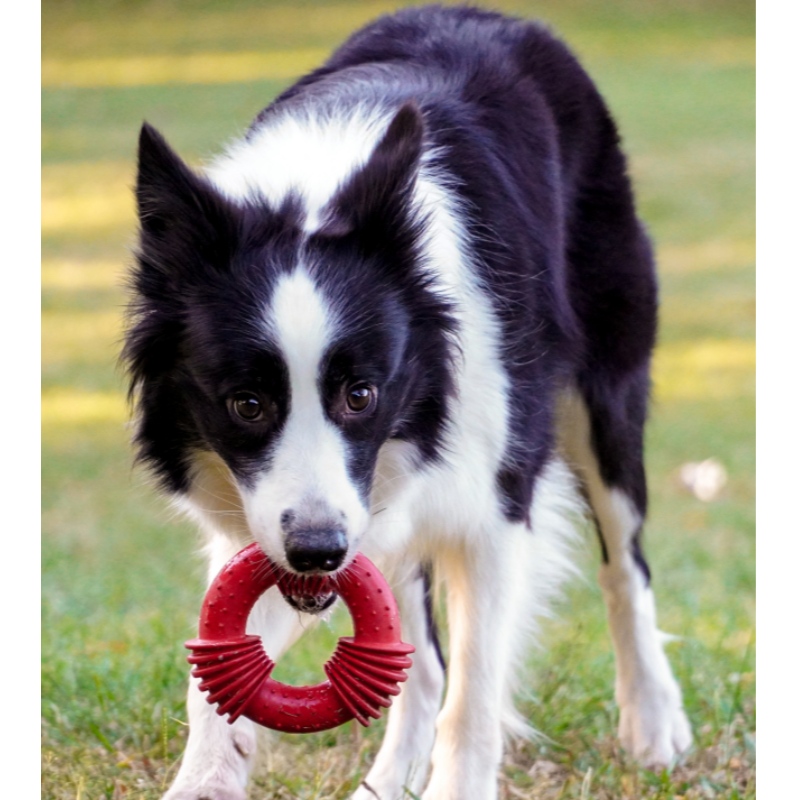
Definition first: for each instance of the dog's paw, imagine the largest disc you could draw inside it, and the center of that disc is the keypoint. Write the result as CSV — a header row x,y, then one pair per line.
x,y
217,769
210,786
209,792
655,731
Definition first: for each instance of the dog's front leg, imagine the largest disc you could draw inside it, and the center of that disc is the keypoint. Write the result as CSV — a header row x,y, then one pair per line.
x,y
218,757
483,586
402,763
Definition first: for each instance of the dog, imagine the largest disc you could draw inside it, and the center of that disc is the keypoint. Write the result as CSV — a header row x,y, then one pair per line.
x,y
411,314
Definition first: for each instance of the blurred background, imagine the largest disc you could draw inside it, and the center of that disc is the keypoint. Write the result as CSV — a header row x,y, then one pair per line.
x,y
122,580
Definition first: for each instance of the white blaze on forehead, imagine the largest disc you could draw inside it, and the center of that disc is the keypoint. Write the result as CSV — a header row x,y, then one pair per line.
x,y
308,472
301,322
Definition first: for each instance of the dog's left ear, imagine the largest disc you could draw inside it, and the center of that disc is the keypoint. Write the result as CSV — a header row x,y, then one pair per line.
x,y
374,201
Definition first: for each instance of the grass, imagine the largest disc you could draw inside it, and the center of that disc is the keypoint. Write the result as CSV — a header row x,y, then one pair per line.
x,y
121,581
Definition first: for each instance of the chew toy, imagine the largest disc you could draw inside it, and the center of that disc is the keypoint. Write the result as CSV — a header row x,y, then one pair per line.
x,y
363,672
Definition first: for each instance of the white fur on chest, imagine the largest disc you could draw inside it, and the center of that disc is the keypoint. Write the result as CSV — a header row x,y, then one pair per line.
x,y
455,497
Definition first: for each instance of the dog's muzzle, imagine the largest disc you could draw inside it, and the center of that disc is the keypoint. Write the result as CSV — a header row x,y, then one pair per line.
x,y
313,552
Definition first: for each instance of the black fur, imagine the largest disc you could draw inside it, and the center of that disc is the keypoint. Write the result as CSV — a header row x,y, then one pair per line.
x,y
527,143
535,155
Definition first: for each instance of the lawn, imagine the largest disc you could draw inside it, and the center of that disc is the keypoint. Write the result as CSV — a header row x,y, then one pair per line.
x,y
122,578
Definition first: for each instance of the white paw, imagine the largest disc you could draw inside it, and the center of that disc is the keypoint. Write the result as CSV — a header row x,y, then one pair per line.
x,y
655,730
207,792
216,773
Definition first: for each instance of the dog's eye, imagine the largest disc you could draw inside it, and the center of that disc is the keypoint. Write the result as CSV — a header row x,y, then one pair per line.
x,y
360,398
246,406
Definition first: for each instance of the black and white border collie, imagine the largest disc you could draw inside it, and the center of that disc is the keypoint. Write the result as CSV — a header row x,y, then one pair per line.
x,y
411,314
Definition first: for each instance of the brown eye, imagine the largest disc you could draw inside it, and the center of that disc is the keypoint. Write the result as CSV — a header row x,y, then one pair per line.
x,y
360,398
246,406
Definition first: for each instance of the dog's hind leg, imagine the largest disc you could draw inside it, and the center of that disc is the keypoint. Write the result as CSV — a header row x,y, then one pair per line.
x,y
219,756
600,427
402,763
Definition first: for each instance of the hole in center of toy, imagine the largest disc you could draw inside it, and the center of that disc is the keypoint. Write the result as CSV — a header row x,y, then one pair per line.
x,y
302,664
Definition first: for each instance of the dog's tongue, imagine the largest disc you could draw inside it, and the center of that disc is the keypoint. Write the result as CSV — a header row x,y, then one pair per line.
x,y
311,594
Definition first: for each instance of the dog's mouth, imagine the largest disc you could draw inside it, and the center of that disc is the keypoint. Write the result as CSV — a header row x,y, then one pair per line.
x,y
311,603
311,594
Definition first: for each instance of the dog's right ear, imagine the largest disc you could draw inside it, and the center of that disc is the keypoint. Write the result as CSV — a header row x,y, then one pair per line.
x,y
164,184
175,205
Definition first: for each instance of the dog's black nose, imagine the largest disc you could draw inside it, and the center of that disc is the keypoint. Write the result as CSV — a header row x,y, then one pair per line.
x,y
320,550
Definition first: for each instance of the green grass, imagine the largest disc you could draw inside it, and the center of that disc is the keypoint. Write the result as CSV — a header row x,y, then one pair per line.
x,y
122,579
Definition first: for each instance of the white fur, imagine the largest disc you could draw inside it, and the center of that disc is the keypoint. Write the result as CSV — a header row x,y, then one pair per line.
x,y
499,578
310,154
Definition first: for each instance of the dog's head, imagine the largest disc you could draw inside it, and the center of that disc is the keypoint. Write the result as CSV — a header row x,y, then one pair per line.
x,y
286,357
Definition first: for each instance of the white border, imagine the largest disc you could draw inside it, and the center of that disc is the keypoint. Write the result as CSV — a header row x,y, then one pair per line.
x,y
20,466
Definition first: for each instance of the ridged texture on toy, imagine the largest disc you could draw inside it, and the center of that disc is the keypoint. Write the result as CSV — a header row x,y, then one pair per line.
x,y
366,677
232,671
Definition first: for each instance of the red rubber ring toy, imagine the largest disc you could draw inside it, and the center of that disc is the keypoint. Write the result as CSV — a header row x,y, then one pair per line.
x,y
363,672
